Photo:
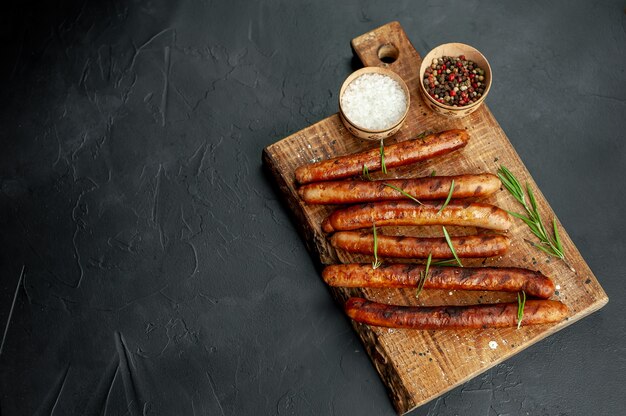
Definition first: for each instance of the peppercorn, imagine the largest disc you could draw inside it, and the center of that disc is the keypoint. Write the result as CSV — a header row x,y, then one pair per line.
x,y
455,81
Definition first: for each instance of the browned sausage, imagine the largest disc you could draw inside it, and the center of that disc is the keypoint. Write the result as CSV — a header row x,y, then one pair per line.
x,y
411,213
454,317
398,154
507,279
431,187
488,245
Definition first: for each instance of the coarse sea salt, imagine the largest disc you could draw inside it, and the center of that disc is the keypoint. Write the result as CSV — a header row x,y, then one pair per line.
x,y
374,102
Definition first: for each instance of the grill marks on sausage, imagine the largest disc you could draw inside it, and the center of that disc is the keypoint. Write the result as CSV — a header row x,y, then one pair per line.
x,y
420,247
436,185
454,317
398,213
397,154
426,188
507,279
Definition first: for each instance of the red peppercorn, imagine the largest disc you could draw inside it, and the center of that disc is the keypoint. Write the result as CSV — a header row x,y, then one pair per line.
x,y
452,93
474,85
451,77
462,57
472,75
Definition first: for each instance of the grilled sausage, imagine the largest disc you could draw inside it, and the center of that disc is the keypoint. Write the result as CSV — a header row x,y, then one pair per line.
x,y
506,279
411,213
454,317
420,247
431,187
398,154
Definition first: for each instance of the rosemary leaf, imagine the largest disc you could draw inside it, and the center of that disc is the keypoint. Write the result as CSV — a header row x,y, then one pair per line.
x,y
521,303
445,233
445,204
550,251
538,233
366,174
557,238
376,263
445,263
543,231
530,223
520,216
382,157
403,192
423,276
433,173
531,196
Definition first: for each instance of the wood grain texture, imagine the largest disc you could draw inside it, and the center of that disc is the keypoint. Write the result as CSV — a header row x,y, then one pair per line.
x,y
417,366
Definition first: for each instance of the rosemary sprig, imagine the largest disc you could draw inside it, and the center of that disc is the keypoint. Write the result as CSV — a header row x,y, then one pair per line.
x,y
445,204
521,303
403,192
423,276
376,263
445,233
433,173
548,244
382,157
366,174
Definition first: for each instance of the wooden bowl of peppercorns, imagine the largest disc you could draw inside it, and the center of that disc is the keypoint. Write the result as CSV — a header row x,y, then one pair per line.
x,y
454,79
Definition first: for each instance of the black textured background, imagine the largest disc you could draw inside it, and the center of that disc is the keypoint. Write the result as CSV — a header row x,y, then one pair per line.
x,y
147,265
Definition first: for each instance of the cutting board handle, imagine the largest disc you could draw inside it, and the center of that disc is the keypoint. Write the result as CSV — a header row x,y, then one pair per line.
x,y
388,47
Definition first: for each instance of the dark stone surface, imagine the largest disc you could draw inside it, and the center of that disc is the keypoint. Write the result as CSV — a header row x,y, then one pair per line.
x,y
148,267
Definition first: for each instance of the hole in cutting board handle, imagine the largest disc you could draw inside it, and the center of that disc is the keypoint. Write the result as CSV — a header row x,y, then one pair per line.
x,y
388,53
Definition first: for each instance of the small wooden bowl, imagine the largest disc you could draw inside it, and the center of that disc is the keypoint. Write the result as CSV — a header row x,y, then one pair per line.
x,y
454,49
364,133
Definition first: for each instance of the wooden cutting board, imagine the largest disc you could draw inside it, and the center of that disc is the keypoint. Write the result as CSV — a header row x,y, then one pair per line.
x,y
417,366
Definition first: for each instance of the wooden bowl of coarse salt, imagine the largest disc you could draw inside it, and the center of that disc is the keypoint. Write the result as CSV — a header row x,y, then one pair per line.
x,y
470,54
373,103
